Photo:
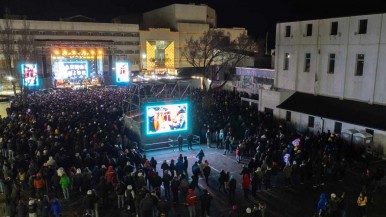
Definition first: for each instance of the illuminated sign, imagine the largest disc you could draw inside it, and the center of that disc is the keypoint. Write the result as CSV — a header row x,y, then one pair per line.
x,y
122,72
30,75
166,118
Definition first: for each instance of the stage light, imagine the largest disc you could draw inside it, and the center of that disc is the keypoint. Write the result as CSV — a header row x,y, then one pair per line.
x,y
64,52
73,52
92,52
56,52
100,52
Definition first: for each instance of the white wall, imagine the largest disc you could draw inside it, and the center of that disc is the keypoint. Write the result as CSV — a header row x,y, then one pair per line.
x,y
370,87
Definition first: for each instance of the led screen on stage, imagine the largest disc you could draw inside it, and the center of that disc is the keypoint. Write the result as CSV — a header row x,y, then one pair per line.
x,y
73,70
166,118
30,76
122,72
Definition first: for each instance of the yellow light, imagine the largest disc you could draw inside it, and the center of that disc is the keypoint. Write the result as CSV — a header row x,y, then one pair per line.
x,y
56,52
64,52
92,52
74,52
100,52
84,52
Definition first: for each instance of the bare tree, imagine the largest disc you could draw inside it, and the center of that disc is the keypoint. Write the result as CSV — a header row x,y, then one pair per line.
x,y
8,47
215,48
26,53
17,50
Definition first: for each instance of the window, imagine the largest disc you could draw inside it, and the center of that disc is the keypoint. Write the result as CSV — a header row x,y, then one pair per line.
x,y
362,27
338,127
288,116
360,64
286,61
334,28
309,29
311,120
307,62
288,31
331,63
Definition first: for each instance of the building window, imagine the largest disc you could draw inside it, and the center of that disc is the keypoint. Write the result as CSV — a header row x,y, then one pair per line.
x,y
334,28
288,31
362,27
311,120
331,63
288,116
307,62
309,29
360,64
338,127
286,61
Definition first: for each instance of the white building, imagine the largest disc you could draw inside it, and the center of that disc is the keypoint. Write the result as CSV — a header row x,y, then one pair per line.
x,y
336,67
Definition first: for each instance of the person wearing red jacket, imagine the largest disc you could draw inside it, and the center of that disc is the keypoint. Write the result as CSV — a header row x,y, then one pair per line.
x,y
39,184
109,176
191,201
246,184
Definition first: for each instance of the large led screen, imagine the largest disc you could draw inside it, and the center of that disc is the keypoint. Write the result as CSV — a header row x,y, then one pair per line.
x,y
73,70
166,118
30,75
122,72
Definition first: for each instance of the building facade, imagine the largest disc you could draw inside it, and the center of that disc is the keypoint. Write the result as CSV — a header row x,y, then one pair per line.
x,y
95,47
339,60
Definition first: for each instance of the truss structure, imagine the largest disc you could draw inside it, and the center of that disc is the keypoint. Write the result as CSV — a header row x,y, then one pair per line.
x,y
143,92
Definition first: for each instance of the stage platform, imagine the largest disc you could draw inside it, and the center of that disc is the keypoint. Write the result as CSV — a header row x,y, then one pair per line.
x,y
167,143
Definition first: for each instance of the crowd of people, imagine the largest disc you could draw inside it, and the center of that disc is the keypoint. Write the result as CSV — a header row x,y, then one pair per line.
x,y
73,144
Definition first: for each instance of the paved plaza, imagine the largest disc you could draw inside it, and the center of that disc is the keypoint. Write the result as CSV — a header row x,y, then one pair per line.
x,y
297,201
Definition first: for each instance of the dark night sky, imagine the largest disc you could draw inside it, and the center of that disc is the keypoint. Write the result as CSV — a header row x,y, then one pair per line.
x,y
257,16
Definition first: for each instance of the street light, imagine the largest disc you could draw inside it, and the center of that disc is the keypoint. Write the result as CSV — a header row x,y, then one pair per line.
x,y
143,61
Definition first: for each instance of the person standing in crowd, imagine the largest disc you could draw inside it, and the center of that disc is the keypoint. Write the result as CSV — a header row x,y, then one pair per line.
x,y
205,200
322,205
207,136
174,186
89,202
191,200
200,156
39,184
206,172
238,158
190,141
180,141
221,138
21,209
232,189
65,184
185,166
120,191
45,207
362,203
32,208
56,208
246,184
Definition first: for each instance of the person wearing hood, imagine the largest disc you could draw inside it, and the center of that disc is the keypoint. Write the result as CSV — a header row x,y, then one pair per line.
x,y
109,175
65,184
32,208
191,200
322,205
89,202
56,207
39,184
51,162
